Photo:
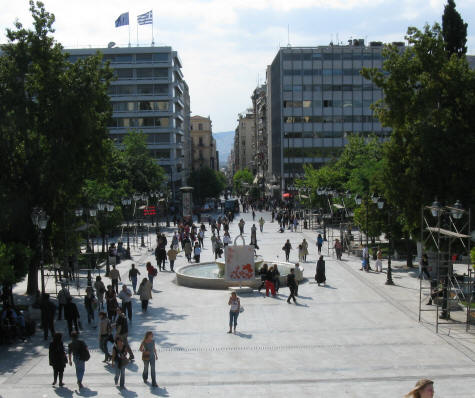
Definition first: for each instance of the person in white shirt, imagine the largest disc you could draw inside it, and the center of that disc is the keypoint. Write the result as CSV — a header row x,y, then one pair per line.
x,y
126,296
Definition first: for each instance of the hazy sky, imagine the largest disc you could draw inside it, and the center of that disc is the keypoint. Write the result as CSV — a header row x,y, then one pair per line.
x,y
225,45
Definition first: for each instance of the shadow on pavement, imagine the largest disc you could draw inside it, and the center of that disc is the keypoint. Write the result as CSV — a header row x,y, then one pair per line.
x,y
244,335
159,391
330,287
63,392
86,392
127,393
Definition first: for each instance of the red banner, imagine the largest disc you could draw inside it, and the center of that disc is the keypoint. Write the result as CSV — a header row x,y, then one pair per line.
x,y
149,211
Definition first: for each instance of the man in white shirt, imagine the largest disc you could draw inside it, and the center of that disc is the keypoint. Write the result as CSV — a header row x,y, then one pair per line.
x,y
126,296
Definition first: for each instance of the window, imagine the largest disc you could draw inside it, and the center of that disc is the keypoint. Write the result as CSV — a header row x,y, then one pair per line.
x,y
161,88
124,58
200,128
327,103
145,89
143,57
161,121
123,73
125,90
307,104
160,57
146,73
200,141
160,73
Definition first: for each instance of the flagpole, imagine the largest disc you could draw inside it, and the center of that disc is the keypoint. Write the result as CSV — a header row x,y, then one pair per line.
x,y
152,31
129,35
137,33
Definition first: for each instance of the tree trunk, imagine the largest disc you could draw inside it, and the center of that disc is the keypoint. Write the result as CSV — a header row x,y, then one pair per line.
x,y
32,286
409,253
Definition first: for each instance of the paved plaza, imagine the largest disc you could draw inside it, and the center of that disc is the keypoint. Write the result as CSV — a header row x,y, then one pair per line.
x,y
355,337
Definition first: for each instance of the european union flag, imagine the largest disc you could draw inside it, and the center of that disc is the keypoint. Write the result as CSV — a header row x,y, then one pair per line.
x,y
122,20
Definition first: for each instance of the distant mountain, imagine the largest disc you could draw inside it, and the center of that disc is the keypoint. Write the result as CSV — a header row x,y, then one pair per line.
x,y
224,144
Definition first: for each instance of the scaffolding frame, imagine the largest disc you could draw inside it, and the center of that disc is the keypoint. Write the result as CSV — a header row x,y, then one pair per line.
x,y
442,236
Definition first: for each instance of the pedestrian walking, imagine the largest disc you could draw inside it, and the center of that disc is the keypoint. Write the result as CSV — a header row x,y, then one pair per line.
x,y
276,278
241,226
188,249
196,252
172,253
286,248
111,302
145,293
226,239
270,282
261,224
72,316
292,284
133,275
300,253
201,236
122,330
119,361
365,259
305,249
151,272
126,296
262,273
320,271
254,236
79,352
114,276
57,358
62,297
48,310
90,303
424,389
319,243
149,356
379,260
424,267
100,291
253,215
338,249
105,335
235,307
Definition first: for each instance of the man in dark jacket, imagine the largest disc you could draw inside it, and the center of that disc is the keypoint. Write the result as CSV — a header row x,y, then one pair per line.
x,y
48,310
292,286
71,314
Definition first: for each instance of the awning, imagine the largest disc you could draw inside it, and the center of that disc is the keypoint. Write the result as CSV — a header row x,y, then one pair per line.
x,y
447,232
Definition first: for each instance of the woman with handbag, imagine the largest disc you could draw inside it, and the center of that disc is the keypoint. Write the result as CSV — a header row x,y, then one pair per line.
x,y
235,304
119,361
149,355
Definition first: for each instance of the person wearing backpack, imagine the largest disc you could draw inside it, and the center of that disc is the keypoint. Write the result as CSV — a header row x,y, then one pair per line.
x,y
78,352
119,361
71,314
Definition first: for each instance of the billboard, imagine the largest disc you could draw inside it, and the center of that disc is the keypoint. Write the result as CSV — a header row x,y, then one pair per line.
x,y
239,263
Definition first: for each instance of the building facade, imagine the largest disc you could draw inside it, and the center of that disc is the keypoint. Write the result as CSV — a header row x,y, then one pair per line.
x,y
244,142
150,95
259,105
203,145
317,98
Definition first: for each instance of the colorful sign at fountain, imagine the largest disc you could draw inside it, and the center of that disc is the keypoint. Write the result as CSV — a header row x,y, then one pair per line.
x,y
239,263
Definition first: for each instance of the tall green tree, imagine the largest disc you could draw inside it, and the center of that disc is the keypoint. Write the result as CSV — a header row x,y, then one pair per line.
x,y
240,177
208,183
53,129
428,102
454,30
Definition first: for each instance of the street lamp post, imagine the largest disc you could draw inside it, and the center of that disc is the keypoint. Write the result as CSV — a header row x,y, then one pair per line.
x,y
126,202
389,276
359,201
108,208
40,221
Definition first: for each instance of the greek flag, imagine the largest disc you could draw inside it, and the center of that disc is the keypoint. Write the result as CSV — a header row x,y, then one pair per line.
x,y
122,20
145,19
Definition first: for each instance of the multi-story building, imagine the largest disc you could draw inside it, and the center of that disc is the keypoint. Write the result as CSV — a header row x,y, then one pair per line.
x,y
149,95
203,144
317,98
259,105
244,139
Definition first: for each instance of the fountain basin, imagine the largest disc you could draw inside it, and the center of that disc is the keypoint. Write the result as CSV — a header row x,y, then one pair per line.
x,y
209,275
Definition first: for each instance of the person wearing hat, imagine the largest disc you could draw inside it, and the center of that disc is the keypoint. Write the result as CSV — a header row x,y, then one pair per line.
x,y
424,389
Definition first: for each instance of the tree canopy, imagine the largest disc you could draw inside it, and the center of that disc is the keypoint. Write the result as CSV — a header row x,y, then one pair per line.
x,y
428,102
454,30
240,177
208,183
54,116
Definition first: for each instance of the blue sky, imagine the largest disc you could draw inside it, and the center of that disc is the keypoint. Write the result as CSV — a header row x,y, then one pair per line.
x,y
225,45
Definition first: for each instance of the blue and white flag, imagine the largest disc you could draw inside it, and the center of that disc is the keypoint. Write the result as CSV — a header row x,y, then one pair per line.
x,y
122,20
145,19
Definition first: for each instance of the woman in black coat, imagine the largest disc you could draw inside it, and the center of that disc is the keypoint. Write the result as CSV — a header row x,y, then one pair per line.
x,y
57,358
320,273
